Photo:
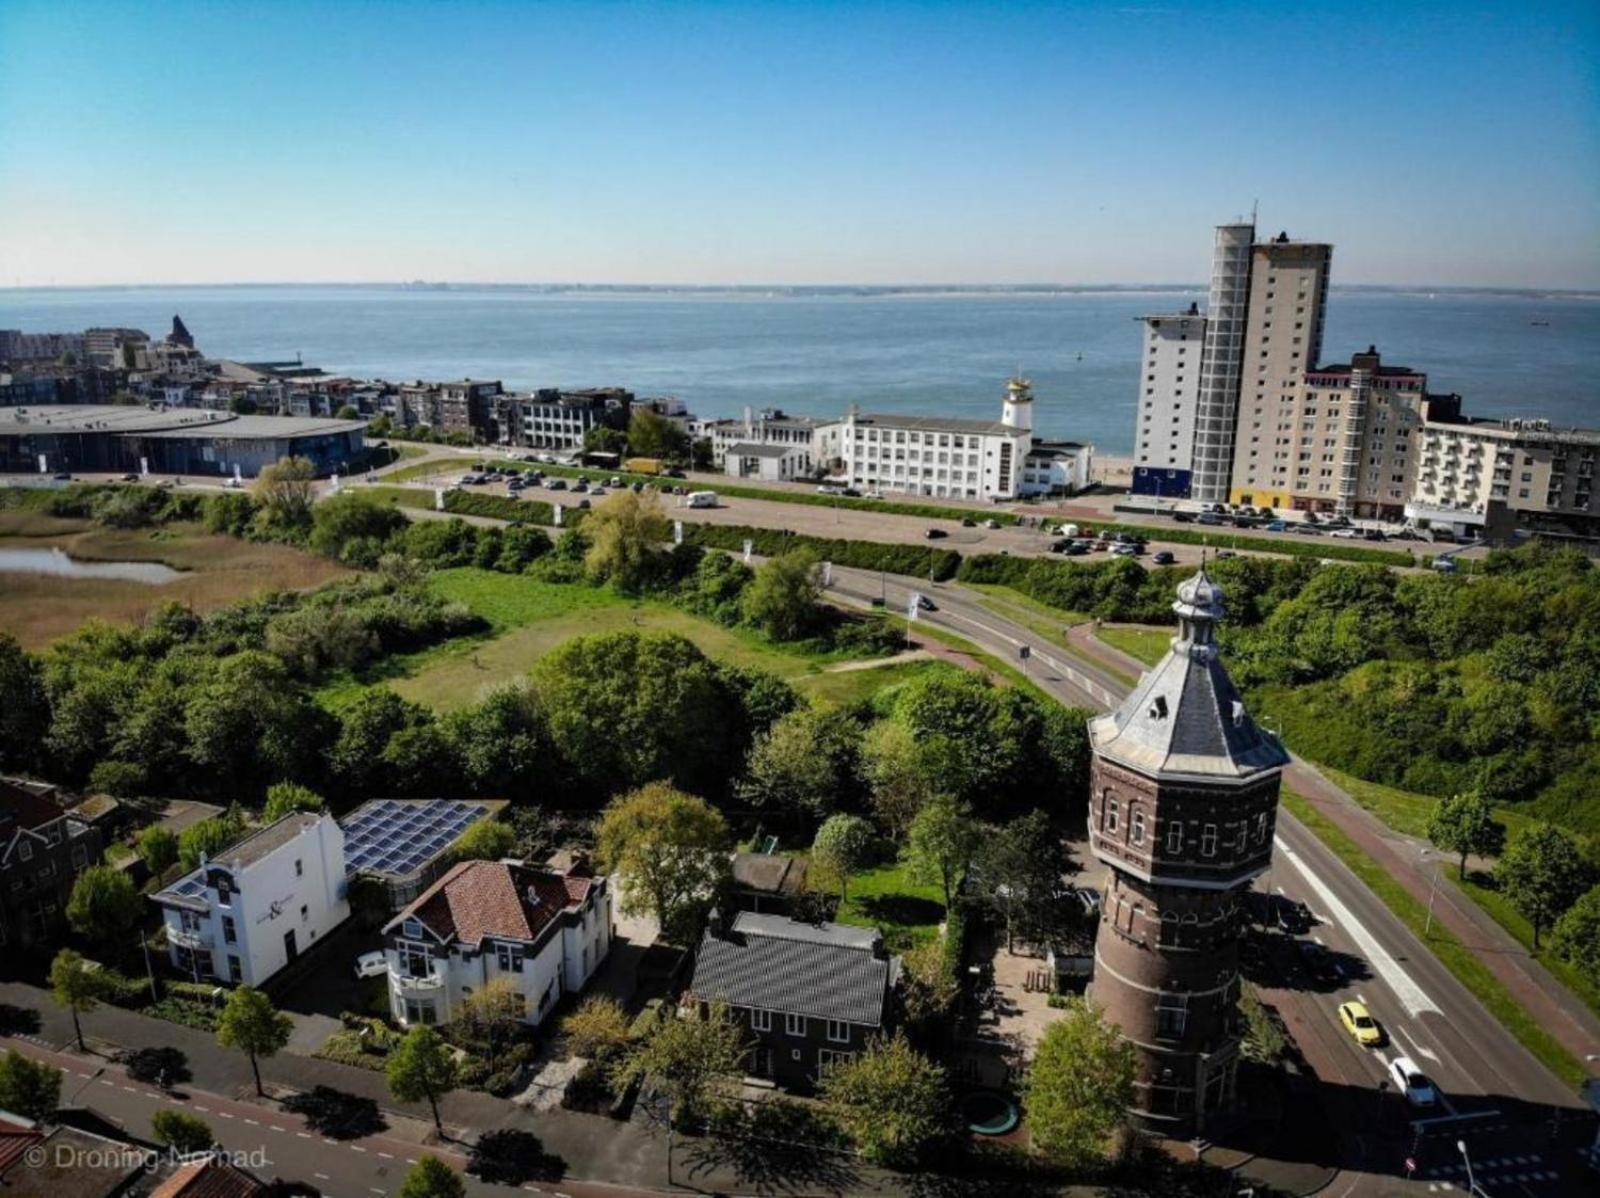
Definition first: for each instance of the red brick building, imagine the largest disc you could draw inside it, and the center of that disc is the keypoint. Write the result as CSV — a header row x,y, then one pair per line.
x,y
1183,800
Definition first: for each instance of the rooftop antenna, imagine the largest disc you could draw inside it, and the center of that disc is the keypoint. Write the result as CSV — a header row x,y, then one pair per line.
x,y
1254,204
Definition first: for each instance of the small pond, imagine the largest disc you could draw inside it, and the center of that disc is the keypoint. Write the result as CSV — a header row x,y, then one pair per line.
x,y
60,564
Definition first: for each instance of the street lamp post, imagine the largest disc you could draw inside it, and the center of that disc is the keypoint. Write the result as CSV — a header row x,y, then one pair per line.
x,y
1472,1184
1433,889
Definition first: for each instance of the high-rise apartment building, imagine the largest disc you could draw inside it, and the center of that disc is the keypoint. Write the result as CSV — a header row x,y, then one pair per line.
x,y
1170,363
1282,340
1218,401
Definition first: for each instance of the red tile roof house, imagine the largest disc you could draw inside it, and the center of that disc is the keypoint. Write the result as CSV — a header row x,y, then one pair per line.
x,y
547,931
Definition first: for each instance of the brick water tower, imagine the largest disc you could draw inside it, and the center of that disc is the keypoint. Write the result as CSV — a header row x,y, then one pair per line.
x,y
1183,799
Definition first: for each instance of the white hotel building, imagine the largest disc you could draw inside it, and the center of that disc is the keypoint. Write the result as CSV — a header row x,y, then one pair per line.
x,y
260,903
938,455
1169,395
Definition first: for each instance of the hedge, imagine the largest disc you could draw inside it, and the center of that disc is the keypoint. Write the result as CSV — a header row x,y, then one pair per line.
x,y
915,560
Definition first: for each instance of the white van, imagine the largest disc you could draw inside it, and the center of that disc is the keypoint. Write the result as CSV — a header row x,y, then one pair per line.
x,y
702,499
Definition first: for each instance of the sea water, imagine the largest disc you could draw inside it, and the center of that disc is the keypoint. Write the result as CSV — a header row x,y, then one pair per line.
x,y
815,351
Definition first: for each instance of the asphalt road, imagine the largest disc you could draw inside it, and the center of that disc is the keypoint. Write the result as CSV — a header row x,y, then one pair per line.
x,y
1486,1078
272,1142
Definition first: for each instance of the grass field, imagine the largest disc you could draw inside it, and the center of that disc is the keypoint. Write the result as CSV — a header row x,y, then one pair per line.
x,y
1456,957
528,618
1148,645
37,608
841,687
908,912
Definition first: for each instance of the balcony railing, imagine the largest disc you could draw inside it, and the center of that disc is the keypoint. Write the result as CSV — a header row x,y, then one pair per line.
x,y
197,938
412,985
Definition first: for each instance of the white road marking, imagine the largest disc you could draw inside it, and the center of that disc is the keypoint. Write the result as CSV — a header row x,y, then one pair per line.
x,y
357,1148
1411,996
206,1109
1417,1048
320,1176
225,1114
252,1123
388,1156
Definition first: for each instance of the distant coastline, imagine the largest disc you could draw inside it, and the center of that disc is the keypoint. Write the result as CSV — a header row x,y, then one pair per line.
x,y
805,290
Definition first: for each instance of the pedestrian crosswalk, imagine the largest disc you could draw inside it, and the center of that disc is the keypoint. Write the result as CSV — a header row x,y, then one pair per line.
x,y
1522,1169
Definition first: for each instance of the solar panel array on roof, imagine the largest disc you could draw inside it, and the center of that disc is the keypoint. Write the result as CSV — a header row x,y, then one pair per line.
x,y
191,887
399,836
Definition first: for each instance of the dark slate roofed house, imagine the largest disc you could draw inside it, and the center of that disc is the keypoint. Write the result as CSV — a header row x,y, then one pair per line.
x,y
810,995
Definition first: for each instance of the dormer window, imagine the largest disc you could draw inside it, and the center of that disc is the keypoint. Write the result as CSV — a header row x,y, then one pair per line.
x,y
413,929
1158,708
1238,713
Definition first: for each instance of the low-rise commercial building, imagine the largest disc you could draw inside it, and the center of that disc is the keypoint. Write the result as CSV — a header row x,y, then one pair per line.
x,y
257,905
768,427
544,931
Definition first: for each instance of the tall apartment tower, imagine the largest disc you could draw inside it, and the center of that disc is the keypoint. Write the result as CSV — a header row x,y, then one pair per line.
x,y
1218,400
1169,390
1282,340
1183,801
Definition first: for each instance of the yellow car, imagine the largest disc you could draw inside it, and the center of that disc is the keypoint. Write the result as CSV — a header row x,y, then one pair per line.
x,y
1358,1021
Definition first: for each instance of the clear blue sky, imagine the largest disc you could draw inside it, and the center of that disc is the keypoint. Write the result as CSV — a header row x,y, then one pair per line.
x,y
525,142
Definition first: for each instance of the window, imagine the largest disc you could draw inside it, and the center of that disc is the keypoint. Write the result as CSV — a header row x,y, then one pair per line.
x,y
1208,840
838,1031
420,1012
1261,827
229,932
1111,814
235,969
828,1057
305,913
1175,836
1171,1015
760,1020
509,957
414,961
1136,826
299,868
80,857
794,1025
25,850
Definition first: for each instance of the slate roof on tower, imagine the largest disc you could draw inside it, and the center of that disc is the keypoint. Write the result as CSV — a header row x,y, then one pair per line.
x,y
1185,716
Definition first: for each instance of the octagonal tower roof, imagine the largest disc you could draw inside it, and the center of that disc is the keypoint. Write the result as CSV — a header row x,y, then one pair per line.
x,y
1185,716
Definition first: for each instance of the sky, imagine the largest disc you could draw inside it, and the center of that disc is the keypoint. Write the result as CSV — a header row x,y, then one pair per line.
x,y
1447,144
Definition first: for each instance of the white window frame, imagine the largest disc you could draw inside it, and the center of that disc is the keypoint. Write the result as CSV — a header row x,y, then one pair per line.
x,y
1208,840
827,1058
1175,836
1136,826
838,1031
1111,809
760,1019
794,1025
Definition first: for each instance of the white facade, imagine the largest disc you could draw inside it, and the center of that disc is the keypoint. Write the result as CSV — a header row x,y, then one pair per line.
x,y
937,456
769,427
769,463
1169,390
1057,468
257,905
544,932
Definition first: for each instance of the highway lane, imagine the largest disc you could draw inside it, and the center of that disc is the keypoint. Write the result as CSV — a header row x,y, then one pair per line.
x,y
1409,989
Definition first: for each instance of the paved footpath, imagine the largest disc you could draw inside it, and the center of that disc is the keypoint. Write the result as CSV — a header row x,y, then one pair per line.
x,y
1552,1006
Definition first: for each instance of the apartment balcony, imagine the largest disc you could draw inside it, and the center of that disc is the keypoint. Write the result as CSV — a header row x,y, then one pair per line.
x,y
184,938
418,985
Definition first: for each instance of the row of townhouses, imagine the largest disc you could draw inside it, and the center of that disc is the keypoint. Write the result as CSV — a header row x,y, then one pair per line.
x,y
1235,404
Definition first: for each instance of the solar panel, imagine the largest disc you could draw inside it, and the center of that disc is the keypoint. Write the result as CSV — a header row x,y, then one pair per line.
x,y
400,836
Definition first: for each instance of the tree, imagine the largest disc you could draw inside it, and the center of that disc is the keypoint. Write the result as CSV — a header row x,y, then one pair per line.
x,y
104,905
805,766
842,846
928,989
684,1056
702,453
1577,935
1079,1086
671,850
28,1087
892,1099
286,798
490,1014
1022,863
76,985
502,744
250,1023
24,706
157,847
943,840
347,412
182,1132
421,1066
898,773
285,492
1262,1040
430,1177
1465,824
626,708
353,518
485,840
782,598
597,1029
208,837
1542,873
604,439
625,534
652,435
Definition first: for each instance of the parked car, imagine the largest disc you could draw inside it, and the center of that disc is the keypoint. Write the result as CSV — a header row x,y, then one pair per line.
x,y
130,478
1076,549
1089,899
851,493
1208,518
1412,1082
371,965
1183,517
1308,530
614,481
1358,1021
581,486
1163,557
935,534
1125,550
1278,526
583,505
557,484
968,522
597,492
1346,534
1373,534
991,522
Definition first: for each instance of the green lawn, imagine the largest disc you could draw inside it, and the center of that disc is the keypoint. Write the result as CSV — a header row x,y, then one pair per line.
x,y
1509,918
1048,623
840,688
1148,645
1456,957
908,913
529,617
